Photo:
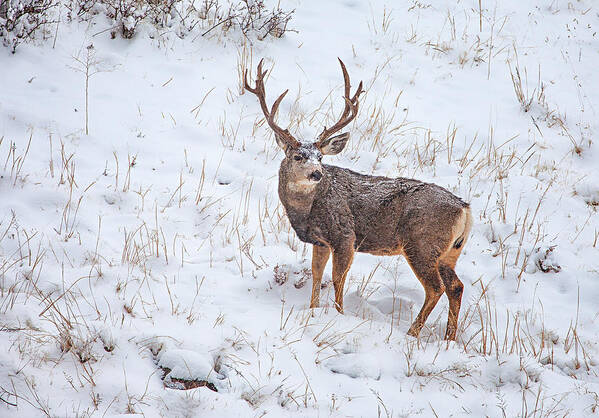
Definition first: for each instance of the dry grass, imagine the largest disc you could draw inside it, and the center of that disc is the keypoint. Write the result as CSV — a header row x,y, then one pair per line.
x,y
239,219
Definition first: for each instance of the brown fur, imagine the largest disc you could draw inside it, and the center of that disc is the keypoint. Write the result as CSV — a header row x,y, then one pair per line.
x,y
340,211
347,212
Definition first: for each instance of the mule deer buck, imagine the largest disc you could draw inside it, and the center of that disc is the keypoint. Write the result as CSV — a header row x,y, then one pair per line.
x,y
340,211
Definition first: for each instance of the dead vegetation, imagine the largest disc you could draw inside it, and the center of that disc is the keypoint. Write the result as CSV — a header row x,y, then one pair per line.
x,y
26,20
536,104
30,20
184,384
186,17
237,222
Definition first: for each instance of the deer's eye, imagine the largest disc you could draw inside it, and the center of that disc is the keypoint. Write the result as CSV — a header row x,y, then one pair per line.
x,y
297,157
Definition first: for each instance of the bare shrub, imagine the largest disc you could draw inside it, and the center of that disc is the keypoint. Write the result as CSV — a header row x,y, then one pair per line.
x,y
22,20
182,17
251,17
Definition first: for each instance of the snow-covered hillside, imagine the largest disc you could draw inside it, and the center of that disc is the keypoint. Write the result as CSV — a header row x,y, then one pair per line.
x,y
151,254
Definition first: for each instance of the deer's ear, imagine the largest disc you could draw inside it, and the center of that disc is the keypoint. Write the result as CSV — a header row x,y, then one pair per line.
x,y
335,144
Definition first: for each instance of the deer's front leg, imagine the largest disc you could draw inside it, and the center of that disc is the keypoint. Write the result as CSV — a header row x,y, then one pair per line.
x,y
320,256
342,259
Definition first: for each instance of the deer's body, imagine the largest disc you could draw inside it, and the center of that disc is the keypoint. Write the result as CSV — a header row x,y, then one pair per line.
x,y
382,215
342,212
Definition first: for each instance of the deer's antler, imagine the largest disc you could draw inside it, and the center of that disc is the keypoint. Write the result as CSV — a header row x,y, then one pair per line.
x,y
283,134
350,111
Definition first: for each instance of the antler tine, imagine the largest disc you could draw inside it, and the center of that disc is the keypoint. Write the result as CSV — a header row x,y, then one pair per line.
x,y
350,110
246,85
345,77
347,90
275,106
259,91
359,91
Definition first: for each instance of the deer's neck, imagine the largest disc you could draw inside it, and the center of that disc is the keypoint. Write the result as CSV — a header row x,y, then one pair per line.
x,y
298,200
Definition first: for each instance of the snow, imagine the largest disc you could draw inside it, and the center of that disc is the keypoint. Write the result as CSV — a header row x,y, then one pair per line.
x,y
157,240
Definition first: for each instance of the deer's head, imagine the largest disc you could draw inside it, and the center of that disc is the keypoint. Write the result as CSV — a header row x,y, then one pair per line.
x,y
302,162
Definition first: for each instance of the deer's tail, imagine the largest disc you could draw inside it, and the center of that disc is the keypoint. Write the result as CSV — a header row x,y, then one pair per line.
x,y
462,228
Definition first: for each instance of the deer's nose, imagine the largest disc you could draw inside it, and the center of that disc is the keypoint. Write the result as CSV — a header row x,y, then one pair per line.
x,y
316,175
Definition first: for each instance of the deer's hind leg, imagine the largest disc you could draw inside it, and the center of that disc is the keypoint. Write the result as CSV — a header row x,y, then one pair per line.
x,y
453,289
320,256
428,274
